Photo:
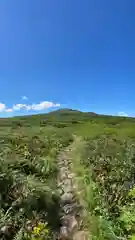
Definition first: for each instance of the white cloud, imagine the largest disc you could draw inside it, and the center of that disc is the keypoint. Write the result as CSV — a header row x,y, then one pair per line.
x,y
19,106
2,107
8,110
28,107
122,114
44,105
24,98
33,107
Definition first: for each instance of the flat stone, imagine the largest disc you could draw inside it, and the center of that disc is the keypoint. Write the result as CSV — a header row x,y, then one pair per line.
x,y
70,222
73,225
68,208
63,175
67,189
59,184
60,191
67,198
71,175
68,182
64,233
80,235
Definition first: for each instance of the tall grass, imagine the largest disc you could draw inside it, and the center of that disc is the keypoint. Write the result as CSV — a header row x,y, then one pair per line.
x,y
104,171
28,192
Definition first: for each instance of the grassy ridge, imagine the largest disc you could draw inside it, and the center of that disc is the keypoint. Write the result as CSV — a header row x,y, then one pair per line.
x,y
103,163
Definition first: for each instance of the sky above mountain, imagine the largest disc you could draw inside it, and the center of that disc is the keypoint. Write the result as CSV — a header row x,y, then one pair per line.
x,y
67,53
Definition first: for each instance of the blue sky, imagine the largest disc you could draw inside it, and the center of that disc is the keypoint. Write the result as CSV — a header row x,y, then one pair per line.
x,y
79,54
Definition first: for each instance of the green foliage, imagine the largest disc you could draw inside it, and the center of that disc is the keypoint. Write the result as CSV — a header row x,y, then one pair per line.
x,y
106,175
28,193
104,165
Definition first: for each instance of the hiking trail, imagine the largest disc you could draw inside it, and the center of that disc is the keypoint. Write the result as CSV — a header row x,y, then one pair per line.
x,y
70,207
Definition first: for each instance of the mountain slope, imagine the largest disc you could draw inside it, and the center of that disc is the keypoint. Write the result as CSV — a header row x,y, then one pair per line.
x,y
62,116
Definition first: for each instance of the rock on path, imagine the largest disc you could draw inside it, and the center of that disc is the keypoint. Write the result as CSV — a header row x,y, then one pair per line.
x,y
69,205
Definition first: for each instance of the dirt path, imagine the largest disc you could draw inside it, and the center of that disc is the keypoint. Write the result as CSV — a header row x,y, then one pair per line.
x,y
70,208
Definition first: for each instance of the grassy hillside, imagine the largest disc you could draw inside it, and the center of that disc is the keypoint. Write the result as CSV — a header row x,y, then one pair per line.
x,y
71,121
63,115
103,162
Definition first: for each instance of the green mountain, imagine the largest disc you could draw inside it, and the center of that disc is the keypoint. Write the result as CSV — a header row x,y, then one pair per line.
x,y
62,118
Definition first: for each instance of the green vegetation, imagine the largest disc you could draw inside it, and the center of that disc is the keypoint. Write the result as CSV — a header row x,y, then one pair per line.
x,y
103,156
29,200
105,174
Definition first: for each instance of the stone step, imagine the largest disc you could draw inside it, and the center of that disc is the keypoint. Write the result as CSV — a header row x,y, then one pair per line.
x,y
68,203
